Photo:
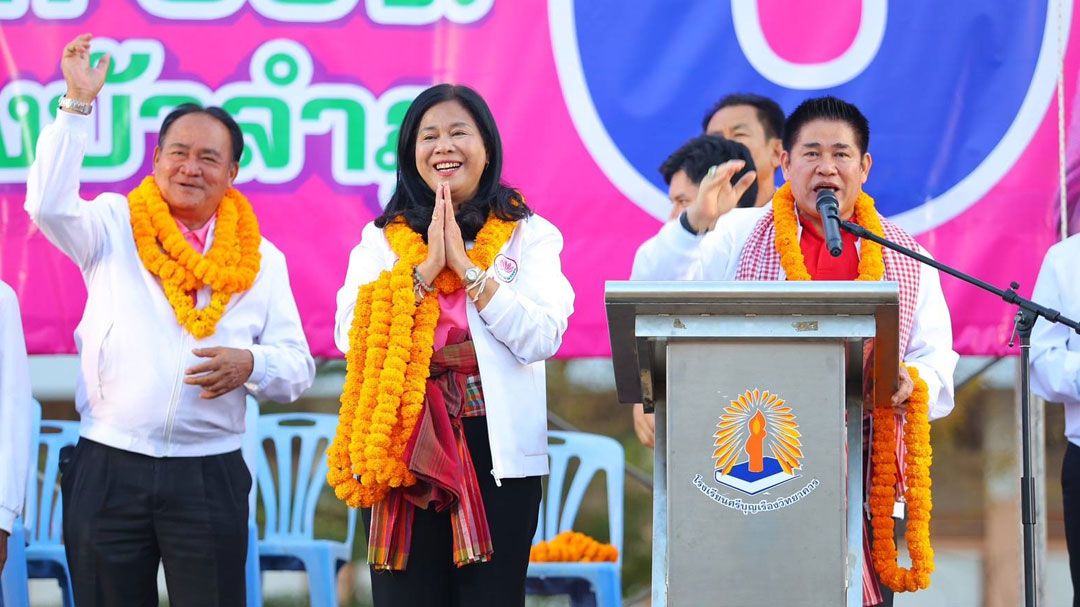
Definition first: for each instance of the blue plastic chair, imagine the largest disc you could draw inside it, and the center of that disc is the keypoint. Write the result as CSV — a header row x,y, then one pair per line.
x,y
45,556
289,490
250,448
14,580
587,583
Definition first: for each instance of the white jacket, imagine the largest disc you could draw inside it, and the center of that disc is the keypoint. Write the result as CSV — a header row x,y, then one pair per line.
x,y
133,353
521,326
16,407
1055,348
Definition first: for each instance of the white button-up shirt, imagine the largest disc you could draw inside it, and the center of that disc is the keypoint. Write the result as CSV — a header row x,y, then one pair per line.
x,y
15,410
133,352
1055,348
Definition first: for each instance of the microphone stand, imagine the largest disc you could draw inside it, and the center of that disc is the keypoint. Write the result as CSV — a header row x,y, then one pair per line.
x,y
1028,312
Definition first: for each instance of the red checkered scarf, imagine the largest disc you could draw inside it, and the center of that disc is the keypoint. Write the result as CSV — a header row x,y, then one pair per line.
x,y
438,455
760,260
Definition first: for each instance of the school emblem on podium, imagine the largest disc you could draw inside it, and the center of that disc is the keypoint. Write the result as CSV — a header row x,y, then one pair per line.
x,y
757,443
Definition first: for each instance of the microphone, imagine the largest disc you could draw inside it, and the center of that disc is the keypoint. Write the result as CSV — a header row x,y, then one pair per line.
x,y
829,209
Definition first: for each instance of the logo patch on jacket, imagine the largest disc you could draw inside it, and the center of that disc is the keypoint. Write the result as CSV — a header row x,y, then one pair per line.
x,y
505,268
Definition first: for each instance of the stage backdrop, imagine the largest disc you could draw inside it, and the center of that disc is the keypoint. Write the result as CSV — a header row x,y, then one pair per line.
x,y
590,96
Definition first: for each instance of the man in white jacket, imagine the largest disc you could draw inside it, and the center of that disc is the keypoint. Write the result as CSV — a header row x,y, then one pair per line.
x,y
15,417
1055,376
171,343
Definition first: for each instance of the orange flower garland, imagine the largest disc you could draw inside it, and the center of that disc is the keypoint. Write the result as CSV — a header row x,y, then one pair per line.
x,y
387,366
573,547
229,267
871,261
916,424
918,496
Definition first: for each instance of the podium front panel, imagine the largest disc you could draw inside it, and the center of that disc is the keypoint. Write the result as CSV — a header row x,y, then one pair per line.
x,y
756,473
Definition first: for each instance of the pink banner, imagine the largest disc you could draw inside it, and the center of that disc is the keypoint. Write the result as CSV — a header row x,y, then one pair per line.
x,y
589,98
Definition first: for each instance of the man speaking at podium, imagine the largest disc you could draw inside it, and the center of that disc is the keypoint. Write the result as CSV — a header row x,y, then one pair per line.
x,y
824,158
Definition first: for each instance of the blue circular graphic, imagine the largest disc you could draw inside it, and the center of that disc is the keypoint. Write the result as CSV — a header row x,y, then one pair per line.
x,y
946,83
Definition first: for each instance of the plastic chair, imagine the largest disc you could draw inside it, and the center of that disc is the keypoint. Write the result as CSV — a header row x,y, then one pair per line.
x,y
45,556
587,583
14,589
249,448
289,492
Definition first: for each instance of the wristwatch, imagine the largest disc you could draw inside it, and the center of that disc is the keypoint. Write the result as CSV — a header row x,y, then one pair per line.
x,y
684,221
79,107
472,275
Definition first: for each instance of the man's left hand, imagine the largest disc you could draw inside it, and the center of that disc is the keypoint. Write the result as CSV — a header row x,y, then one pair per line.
x,y
905,385
226,370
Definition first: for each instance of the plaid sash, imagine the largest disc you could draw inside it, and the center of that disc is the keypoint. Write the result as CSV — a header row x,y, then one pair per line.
x,y
760,260
438,455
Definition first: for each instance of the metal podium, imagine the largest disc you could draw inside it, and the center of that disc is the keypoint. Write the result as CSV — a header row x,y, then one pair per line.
x,y
757,389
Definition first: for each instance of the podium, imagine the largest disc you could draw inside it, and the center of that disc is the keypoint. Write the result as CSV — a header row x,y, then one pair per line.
x,y
758,393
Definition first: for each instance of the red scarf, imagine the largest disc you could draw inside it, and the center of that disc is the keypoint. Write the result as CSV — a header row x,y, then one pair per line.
x,y
438,455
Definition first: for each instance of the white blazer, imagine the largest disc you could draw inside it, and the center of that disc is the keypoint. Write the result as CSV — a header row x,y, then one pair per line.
x,y
516,332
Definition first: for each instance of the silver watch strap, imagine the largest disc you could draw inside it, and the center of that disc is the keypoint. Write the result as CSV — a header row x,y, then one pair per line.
x,y
79,107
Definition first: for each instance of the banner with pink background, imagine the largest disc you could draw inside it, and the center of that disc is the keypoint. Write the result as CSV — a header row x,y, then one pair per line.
x,y
590,96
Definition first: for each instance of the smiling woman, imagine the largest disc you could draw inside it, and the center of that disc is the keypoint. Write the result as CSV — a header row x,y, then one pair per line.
x,y
443,423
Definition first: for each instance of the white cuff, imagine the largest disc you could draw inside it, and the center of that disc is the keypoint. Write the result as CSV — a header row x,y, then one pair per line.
x,y
499,305
7,520
74,122
255,382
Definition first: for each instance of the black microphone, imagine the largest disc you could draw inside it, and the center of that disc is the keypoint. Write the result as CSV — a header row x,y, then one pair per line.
x,y
829,209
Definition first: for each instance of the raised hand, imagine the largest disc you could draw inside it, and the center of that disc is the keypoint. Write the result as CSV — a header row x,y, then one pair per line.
x,y
436,259
717,195
83,81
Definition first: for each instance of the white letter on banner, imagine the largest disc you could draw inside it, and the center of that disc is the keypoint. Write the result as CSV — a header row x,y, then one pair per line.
x,y
59,9
309,11
191,10
11,10
424,12
744,15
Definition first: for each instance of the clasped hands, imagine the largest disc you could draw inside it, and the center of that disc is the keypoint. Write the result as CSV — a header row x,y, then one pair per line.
x,y
446,246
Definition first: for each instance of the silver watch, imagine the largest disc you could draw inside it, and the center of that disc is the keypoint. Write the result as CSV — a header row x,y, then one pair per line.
x,y
472,275
79,107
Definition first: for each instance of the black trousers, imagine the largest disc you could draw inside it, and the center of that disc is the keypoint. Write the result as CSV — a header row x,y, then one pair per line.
x,y
1070,494
432,579
125,512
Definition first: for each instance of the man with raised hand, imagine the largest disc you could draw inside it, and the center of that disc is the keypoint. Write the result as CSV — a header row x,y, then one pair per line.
x,y
188,311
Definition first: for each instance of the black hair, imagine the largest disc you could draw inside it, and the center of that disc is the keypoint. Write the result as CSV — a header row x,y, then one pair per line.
x,y
213,111
704,151
414,200
831,109
769,113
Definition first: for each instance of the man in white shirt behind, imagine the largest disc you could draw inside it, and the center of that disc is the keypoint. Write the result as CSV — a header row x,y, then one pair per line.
x,y
15,417
171,343
1055,376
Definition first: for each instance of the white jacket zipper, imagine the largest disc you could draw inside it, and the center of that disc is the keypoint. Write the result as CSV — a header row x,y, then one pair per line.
x,y
174,398
101,364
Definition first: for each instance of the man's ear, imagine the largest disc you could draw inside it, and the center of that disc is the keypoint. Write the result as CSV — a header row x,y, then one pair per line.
x,y
776,148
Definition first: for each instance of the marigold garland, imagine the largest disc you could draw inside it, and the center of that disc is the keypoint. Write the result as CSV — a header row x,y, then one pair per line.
x,y
871,261
573,547
228,268
917,463
883,454
387,366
